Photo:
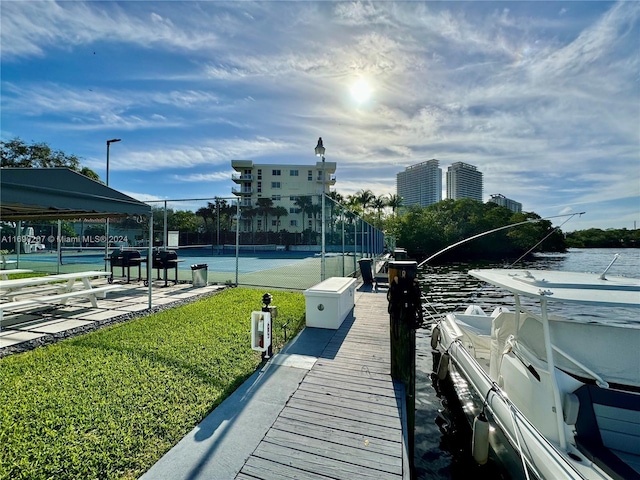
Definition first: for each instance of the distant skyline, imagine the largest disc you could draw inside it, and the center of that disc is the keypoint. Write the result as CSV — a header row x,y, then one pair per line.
x,y
542,97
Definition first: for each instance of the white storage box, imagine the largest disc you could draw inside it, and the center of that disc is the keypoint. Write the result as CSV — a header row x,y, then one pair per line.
x,y
328,303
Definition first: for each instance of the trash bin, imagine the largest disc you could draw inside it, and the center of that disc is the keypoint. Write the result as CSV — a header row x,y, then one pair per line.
x,y
365,270
199,274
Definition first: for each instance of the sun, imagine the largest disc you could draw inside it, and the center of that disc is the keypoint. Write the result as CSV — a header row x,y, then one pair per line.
x,y
361,90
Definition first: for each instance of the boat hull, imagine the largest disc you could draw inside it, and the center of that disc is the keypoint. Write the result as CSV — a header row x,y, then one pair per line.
x,y
543,458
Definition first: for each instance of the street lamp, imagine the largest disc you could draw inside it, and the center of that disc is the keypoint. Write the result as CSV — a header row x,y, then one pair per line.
x,y
109,142
320,153
106,240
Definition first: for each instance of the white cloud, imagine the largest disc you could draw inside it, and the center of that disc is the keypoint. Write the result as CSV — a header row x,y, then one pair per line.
x,y
543,100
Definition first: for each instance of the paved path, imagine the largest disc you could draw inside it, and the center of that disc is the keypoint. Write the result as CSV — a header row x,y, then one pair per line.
x,y
324,408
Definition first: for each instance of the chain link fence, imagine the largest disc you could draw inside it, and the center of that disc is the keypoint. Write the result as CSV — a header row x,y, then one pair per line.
x,y
276,243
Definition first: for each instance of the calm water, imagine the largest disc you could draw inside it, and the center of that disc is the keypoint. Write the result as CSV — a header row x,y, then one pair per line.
x,y
442,449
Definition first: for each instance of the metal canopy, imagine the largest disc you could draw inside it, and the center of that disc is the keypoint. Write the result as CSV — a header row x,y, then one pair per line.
x,y
60,193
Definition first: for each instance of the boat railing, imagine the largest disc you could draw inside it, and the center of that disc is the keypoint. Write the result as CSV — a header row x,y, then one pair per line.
x,y
567,356
599,380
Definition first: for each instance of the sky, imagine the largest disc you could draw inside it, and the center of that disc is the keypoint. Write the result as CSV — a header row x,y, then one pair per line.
x,y
542,97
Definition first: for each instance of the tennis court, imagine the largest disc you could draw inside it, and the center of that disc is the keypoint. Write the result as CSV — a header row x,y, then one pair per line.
x,y
276,269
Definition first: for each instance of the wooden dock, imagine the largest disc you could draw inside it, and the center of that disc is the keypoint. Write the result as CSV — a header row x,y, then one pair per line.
x,y
347,418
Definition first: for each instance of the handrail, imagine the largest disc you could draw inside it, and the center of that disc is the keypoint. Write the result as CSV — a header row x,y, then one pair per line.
x,y
599,380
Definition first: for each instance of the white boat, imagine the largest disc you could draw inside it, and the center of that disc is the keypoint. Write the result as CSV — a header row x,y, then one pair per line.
x,y
560,380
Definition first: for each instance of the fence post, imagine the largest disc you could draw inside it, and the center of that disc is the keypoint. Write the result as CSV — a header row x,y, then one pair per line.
x,y
405,315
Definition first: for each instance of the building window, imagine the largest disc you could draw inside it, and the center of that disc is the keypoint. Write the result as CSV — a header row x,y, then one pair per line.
x,y
274,223
293,223
293,173
275,184
310,175
259,187
276,198
259,224
259,174
275,173
294,210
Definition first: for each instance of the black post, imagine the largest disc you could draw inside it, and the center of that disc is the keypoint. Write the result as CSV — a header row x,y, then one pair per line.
x,y
266,300
405,315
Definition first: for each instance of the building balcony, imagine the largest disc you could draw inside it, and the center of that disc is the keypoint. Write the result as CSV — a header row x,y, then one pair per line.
x,y
331,179
244,177
241,164
242,191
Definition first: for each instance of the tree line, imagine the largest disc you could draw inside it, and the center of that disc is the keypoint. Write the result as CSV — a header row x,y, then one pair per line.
x,y
598,238
421,230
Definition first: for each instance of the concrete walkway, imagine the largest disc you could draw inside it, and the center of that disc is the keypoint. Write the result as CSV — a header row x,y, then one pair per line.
x,y
340,378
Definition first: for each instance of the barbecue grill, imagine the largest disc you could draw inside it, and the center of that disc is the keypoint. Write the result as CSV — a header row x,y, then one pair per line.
x,y
166,260
125,259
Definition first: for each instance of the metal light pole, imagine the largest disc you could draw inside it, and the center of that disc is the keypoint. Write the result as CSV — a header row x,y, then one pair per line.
x,y
320,153
109,142
106,240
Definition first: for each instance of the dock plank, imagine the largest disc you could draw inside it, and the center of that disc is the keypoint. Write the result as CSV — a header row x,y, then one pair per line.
x,y
372,406
346,425
311,462
344,453
339,437
345,420
346,412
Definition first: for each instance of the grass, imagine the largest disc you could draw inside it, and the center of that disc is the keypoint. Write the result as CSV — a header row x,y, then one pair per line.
x,y
110,403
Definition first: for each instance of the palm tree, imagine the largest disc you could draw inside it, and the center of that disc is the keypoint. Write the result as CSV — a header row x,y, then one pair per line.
x,y
379,203
205,213
395,202
334,206
265,206
315,210
353,204
304,203
365,198
250,213
278,212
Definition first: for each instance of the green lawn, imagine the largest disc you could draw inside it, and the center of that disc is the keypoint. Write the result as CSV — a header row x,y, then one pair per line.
x,y
109,404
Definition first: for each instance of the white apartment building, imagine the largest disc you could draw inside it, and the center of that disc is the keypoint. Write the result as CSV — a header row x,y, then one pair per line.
x,y
506,202
420,184
283,184
464,181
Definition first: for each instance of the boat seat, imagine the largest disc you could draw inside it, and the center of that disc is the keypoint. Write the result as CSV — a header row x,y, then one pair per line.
x,y
608,430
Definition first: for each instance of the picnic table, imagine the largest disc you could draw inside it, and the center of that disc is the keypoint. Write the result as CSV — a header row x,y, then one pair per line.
x,y
64,285
5,273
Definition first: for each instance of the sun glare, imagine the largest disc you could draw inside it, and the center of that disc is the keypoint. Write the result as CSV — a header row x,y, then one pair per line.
x,y
361,90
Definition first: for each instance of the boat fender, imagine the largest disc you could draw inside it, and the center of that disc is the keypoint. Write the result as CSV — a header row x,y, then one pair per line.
x,y
443,366
475,310
435,336
570,407
480,440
